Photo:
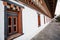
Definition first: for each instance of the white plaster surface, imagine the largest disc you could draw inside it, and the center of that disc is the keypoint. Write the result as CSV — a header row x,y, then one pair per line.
x,y
47,19
57,11
1,21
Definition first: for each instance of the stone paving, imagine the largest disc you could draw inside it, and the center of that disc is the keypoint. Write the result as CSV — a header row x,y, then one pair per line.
x,y
51,32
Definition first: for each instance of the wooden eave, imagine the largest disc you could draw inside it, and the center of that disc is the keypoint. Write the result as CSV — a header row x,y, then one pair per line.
x,y
33,6
44,9
51,4
10,2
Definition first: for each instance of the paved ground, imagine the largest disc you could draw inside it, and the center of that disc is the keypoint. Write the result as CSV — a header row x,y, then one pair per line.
x,y
51,32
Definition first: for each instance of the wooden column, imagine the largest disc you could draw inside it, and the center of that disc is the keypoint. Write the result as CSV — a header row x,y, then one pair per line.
x,y
20,22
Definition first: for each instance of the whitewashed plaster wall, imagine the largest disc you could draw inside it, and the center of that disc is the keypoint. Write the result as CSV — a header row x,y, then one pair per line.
x,y
57,11
47,19
42,19
1,21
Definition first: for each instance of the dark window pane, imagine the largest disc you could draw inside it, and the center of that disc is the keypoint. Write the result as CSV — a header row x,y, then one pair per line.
x,y
14,28
9,29
9,21
14,21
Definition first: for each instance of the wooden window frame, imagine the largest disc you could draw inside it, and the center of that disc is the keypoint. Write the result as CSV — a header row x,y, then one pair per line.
x,y
19,22
39,23
16,23
19,27
13,24
10,25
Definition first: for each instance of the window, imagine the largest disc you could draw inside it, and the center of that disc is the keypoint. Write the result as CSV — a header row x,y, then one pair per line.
x,y
39,20
9,24
12,25
15,24
13,21
9,29
9,20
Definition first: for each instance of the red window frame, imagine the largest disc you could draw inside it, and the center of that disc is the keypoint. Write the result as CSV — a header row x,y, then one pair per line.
x,y
39,20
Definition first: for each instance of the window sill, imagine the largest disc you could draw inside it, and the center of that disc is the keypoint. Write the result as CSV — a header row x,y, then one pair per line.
x,y
14,36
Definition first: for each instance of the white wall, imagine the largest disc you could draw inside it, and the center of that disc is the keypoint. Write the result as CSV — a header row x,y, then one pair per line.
x,y
57,11
47,19
42,19
1,21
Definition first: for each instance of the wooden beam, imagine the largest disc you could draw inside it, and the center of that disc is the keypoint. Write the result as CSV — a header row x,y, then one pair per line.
x,y
35,7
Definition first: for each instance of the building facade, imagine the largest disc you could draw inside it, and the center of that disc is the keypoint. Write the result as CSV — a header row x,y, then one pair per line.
x,y
20,22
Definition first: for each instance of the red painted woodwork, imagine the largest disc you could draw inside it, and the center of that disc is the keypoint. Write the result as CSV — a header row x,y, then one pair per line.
x,y
38,20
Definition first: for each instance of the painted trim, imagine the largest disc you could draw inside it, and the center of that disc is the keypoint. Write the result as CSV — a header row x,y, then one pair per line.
x,y
13,3
5,25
